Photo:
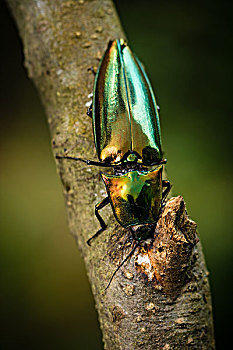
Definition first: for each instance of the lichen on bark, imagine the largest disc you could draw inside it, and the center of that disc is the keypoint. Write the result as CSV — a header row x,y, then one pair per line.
x,y
160,299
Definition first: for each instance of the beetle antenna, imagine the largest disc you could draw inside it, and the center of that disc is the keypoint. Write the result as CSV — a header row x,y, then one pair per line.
x,y
122,263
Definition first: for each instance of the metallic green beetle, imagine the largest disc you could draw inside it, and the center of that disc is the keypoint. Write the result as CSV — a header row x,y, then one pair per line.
x,y
127,138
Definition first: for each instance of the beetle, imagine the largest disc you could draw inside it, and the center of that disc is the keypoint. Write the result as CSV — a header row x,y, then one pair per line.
x,y
128,139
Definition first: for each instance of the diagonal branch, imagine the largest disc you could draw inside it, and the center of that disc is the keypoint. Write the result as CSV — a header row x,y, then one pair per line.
x,y
160,299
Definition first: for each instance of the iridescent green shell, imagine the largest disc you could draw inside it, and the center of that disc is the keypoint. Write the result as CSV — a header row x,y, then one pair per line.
x,y
125,114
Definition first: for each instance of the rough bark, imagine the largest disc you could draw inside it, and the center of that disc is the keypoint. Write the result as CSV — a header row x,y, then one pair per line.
x,y
160,299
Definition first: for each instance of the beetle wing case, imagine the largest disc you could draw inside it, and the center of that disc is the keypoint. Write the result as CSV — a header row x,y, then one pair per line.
x,y
135,196
125,114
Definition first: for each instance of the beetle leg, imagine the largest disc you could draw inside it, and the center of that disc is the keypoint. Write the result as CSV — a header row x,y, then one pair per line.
x,y
89,106
99,206
89,111
167,186
87,161
92,70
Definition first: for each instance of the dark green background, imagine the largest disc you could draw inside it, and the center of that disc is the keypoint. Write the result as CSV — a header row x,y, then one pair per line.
x,y
186,48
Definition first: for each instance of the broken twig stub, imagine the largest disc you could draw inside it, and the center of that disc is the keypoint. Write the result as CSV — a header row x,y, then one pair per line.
x,y
166,260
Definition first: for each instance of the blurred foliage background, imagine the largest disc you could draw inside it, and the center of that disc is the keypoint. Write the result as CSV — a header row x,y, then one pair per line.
x,y
186,48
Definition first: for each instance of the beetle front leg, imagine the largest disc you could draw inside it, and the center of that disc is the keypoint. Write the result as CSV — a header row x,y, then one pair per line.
x,y
92,70
99,206
167,186
87,161
89,111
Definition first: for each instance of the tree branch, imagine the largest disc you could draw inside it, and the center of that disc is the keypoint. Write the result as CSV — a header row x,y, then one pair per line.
x,y
160,299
